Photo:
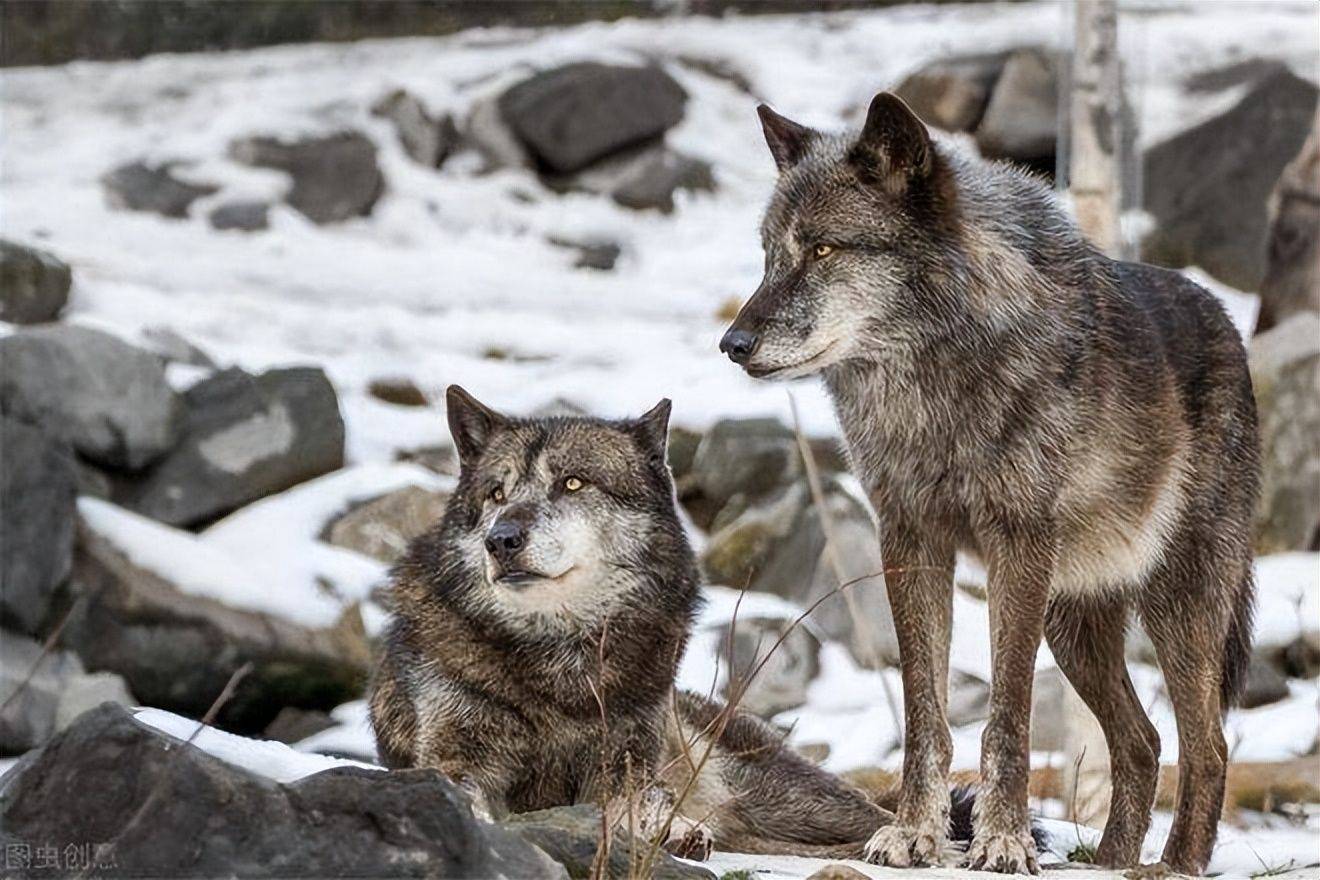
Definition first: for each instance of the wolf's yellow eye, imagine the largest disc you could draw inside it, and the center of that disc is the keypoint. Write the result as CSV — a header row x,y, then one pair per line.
x,y
821,251
572,484
497,494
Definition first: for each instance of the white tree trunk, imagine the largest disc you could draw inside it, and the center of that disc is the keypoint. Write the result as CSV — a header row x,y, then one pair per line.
x,y
1095,169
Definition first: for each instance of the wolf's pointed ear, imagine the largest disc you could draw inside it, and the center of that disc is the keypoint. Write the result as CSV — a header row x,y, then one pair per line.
x,y
470,422
894,143
787,140
653,428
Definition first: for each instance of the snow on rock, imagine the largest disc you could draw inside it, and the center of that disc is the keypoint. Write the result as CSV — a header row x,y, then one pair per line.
x,y
271,759
267,557
351,734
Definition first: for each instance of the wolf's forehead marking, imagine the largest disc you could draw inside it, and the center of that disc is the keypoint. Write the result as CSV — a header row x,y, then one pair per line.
x,y
542,452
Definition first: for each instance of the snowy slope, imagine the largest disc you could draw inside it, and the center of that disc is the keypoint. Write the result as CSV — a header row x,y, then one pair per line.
x,y
453,265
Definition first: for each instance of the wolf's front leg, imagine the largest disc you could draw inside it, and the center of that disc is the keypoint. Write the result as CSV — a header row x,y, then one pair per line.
x,y
1021,563
919,578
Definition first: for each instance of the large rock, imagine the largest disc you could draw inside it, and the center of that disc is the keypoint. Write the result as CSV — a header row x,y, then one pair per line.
x,y
571,836
178,650
107,398
138,186
745,456
801,570
43,692
1292,262
34,284
952,93
1208,187
1265,684
1021,119
383,527
427,139
172,810
777,545
244,437
38,485
574,115
773,663
335,177
1285,373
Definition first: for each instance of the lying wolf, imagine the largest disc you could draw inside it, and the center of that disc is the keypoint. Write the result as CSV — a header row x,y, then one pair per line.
x,y
536,636
1086,426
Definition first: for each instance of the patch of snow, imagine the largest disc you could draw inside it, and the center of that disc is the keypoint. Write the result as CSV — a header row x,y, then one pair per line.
x,y
1287,597
273,760
351,734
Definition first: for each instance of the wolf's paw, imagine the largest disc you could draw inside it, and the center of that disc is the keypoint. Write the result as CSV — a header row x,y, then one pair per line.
x,y
1003,854
899,846
689,839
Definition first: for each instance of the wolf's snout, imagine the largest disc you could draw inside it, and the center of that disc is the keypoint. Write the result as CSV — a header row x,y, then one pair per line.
x,y
739,345
505,539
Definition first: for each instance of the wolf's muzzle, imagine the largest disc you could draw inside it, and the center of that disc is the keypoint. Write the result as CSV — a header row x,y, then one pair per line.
x,y
739,345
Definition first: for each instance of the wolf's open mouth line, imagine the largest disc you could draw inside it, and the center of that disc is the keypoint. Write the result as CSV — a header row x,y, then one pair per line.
x,y
774,371
522,578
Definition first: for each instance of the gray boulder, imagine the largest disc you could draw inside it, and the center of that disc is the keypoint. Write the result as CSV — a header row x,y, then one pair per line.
x,y
1049,711
788,658
34,284
1265,684
572,116
778,545
1208,187
745,456
383,527
244,216
38,488
172,810
102,395
177,650
952,93
1021,119
335,177
1285,373
426,138
42,693
801,570
138,186
572,837
244,437
1292,263
641,178
652,183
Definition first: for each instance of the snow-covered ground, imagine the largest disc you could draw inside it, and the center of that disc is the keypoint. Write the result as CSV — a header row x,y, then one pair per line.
x,y
453,268
452,265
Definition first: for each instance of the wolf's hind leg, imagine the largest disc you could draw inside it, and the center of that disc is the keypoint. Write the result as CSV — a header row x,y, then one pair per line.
x,y
1086,635
1185,608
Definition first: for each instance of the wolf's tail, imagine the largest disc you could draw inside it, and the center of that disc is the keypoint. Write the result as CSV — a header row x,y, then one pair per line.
x,y
1237,643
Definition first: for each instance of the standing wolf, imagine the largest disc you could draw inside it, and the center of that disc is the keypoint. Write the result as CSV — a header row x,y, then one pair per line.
x,y
1085,426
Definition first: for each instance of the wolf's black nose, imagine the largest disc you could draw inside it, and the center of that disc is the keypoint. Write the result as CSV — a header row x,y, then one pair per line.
x,y
739,345
505,538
